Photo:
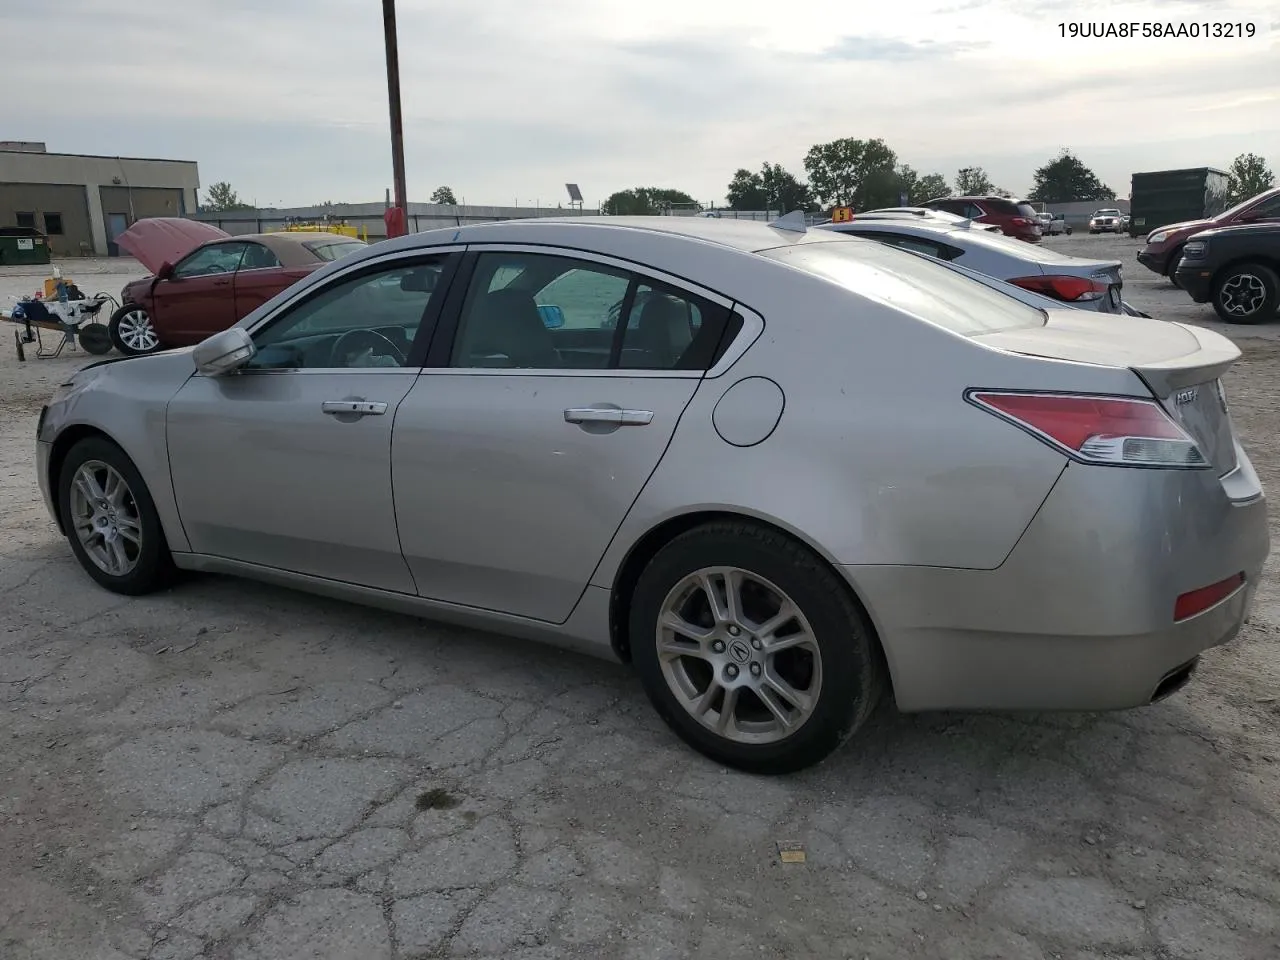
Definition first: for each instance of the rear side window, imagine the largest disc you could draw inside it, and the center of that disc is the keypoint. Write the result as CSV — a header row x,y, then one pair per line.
x,y
914,284
1028,211
1006,208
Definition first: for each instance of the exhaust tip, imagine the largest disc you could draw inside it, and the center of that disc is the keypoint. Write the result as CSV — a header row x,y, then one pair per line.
x,y
1174,680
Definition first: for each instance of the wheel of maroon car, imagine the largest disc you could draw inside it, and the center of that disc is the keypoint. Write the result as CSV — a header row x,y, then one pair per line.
x,y
1246,293
132,332
1172,269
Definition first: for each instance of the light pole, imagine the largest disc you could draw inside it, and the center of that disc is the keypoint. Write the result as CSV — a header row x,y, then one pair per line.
x,y
397,222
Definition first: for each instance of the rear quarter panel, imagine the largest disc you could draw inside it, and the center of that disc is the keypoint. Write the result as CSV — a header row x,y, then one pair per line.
x,y
877,458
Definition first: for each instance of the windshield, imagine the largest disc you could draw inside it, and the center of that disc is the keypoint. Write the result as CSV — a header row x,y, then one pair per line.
x,y
912,283
335,250
1107,213
1228,214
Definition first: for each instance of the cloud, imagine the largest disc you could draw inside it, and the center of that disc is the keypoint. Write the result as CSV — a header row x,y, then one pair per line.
x,y
890,49
507,98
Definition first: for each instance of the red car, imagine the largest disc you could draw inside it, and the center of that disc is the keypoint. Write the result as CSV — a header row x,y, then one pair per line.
x,y
1163,249
1013,217
204,280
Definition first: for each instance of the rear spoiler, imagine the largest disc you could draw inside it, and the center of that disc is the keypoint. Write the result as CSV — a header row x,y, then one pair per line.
x,y
1210,362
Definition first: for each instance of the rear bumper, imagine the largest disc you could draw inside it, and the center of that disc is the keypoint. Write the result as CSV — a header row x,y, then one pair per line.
x,y
1080,615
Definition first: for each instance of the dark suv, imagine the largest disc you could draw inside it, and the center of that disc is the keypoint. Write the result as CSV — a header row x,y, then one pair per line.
x,y
1013,217
1164,245
1237,268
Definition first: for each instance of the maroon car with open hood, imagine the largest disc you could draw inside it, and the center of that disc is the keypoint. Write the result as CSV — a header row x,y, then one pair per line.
x,y
204,280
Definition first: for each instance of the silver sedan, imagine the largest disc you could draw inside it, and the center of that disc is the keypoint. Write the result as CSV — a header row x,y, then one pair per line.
x,y
778,471
1080,282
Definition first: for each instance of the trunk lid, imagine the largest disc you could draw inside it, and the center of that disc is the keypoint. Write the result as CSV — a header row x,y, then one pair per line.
x,y
1182,366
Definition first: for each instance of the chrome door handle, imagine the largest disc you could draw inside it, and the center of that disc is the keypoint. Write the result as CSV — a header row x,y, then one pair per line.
x,y
364,408
623,418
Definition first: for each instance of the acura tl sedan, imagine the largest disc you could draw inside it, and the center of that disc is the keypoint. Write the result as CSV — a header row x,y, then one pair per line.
x,y
778,471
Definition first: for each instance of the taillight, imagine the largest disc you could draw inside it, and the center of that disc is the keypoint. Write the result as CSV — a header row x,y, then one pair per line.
x,y
1023,221
1114,431
1198,601
1070,289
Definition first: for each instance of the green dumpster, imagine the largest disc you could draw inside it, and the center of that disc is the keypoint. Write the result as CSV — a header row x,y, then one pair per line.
x,y
22,245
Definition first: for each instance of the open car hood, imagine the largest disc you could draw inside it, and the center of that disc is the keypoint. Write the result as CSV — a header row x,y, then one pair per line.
x,y
158,239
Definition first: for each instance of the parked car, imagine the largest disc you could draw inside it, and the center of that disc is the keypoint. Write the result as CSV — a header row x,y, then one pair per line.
x,y
1237,269
1092,284
204,280
917,213
1106,220
1015,218
1163,248
910,480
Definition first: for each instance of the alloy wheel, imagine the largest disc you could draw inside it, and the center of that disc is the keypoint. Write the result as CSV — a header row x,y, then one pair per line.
x,y
106,518
739,655
1242,295
136,331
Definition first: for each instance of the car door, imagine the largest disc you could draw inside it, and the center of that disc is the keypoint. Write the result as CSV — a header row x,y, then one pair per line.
x,y
198,296
287,463
520,448
259,277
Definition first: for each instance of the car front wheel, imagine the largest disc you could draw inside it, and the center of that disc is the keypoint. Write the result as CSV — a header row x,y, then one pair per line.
x,y
132,332
110,519
752,649
1246,293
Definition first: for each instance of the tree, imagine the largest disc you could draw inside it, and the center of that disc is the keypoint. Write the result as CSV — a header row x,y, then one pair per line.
x,y
930,187
850,172
222,197
773,188
973,182
444,195
920,189
646,201
1064,179
1248,176
746,191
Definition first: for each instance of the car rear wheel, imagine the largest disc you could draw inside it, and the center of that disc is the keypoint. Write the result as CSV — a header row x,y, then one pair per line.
x,y
111,520
132,332
1246,293
752,649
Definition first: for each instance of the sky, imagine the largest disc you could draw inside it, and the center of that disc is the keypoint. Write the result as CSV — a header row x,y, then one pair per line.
x,y
507,100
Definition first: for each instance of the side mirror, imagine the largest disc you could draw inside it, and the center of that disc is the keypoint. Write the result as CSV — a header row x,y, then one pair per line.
x,y
165,271
223,352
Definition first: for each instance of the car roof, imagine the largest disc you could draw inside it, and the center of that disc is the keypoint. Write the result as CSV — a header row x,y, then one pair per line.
x,y
748,236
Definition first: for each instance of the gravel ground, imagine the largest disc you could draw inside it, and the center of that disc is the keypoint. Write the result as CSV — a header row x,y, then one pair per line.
x,y
237,772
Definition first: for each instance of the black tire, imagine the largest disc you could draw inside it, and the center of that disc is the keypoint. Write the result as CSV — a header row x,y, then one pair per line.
x,y
113,327
95,338
1068,231
852,668
153,567
1251,285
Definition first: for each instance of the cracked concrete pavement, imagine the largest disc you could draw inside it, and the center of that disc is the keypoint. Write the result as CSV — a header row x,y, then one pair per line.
x,y
236,772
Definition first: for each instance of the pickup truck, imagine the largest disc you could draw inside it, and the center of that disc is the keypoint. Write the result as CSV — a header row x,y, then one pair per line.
x,y
1051,223
1236,268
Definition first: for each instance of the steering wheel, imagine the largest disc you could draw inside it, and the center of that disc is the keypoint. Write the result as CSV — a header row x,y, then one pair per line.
x,y
373,340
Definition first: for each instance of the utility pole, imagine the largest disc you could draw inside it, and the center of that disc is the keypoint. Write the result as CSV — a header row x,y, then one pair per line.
x,y
397,222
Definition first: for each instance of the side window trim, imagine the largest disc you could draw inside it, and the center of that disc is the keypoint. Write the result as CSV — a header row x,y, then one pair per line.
x,y
446,331
451,256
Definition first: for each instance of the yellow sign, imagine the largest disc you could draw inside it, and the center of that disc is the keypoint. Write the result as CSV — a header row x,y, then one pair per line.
x,y
842,214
